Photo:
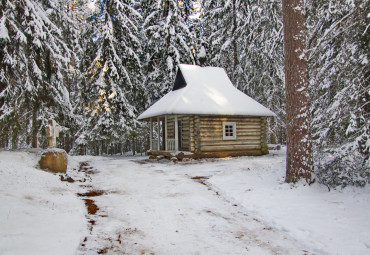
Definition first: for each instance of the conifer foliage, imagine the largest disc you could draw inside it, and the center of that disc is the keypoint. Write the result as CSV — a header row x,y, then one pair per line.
x,y
169,43
34,60
112,86
339,70
94,65
246,38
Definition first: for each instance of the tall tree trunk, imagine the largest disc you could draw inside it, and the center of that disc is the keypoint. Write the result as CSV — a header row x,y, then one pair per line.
x,y
299,147
15,131
34,126
235,47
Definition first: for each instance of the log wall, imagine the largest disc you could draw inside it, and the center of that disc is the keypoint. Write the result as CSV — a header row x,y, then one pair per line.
x,y
250,134
204,134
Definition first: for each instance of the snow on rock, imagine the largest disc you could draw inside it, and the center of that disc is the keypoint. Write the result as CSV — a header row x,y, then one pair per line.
x,y
39,214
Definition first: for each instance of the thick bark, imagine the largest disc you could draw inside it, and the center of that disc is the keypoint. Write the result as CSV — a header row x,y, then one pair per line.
x,y
34,126
235,49
299,148
15,132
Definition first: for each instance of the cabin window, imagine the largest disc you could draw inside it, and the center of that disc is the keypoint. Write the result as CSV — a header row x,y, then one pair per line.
x,y
229,130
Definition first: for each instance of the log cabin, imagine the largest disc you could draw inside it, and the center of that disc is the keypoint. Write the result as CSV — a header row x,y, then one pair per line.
x,y
206,116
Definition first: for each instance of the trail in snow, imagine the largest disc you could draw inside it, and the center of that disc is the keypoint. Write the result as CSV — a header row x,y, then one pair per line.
x,y
138,206
152,208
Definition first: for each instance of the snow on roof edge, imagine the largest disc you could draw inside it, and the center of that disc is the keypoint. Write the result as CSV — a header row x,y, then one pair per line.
x,y
209,91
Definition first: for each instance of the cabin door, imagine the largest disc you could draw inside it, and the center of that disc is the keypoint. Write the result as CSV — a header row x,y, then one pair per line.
x,y
179,126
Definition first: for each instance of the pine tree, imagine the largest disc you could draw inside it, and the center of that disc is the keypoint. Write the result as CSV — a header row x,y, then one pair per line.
x,y
299,158
169,43
261,74
222,20
339,71
247,41
34,58
111,87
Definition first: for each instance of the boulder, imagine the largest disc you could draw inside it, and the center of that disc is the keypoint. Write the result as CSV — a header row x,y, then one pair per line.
x,y
54,160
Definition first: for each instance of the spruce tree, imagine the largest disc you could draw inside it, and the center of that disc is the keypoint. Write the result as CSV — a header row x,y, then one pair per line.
x,y
246,38
111,87
261,74
339,78
34,60
169,42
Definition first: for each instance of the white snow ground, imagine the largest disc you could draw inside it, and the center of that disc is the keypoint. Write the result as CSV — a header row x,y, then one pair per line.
x,y
224,206
38,213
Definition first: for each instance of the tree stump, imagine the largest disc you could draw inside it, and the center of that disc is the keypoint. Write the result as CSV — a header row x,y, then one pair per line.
x,y
180,156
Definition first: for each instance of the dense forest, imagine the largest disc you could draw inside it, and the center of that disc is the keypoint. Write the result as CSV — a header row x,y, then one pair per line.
x,y
94,65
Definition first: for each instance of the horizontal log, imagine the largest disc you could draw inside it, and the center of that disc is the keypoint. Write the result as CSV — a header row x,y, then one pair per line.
x,y
239,136
238,124
229,148
241,139
228,143
219,123
211,118
248,133
238,129
248,128
216,154
210,128
238,133
220,138
223,154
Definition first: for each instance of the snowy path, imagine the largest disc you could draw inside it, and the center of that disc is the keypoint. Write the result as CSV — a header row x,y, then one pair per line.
x,y
137,206
157,208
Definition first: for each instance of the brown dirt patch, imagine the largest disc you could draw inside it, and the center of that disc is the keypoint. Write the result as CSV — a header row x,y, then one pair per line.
x,y
142,161
67,179
85,167
84,164
200,179
104,250
92,193
92,208
84,242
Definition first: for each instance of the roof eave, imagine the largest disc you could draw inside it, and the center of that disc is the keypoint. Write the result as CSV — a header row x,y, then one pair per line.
x,y
147,118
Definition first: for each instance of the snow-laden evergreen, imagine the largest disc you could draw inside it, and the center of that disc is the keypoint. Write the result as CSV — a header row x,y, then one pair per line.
x,y
221,22
247,41
261,73
93,66
169,42
34,62
112,80
339,76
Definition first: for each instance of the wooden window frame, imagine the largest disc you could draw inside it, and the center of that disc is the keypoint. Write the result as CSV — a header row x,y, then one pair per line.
x,y
226,129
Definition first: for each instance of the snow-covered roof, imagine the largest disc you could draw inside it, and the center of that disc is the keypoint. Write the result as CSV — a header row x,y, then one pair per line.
x,y
208,91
